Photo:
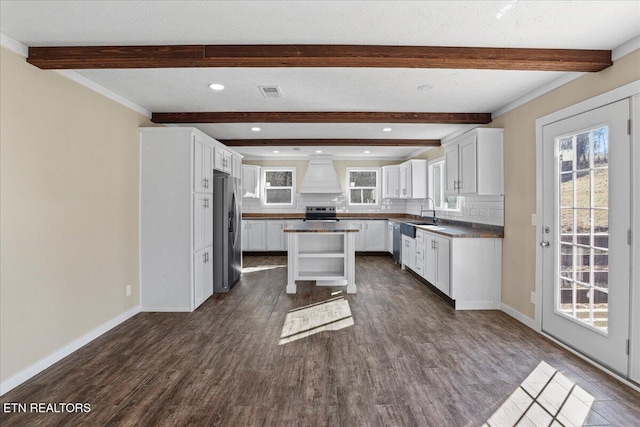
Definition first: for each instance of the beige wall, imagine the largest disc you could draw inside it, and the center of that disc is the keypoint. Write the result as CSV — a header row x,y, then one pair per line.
x,y
519,250
69,211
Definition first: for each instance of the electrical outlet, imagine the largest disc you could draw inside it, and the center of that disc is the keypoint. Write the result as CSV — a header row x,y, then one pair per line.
x,y
128,290
533,297
533,219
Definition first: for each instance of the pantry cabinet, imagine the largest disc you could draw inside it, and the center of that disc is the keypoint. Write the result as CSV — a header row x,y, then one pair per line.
x,y
176,217
474,163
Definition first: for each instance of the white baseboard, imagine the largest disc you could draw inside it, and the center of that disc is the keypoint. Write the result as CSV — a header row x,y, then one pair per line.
x,y
43,364
165,310
476,305
526,320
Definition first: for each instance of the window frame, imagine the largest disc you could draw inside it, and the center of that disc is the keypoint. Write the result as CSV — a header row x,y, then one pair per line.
x,y
348,188
439,205
263,185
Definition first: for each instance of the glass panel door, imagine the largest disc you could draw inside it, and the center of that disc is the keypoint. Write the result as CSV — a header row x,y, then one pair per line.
x,y
586,194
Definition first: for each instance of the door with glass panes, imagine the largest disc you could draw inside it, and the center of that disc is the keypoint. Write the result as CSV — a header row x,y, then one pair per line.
x,y
584,243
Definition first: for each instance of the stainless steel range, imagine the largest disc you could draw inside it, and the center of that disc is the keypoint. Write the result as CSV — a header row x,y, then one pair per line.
x,y
321,213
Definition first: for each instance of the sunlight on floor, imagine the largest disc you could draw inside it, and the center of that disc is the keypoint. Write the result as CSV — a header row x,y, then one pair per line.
x,y
331,315
545,398
261,268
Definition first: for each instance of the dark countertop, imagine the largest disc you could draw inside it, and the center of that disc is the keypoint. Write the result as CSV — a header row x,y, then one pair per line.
x,y
322,227
445,227
460,232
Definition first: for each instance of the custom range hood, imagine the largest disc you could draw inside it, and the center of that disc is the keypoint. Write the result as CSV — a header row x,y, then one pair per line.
x,y
321,177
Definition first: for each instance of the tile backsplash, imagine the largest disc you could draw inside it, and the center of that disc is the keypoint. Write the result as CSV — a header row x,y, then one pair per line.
x,y
478,209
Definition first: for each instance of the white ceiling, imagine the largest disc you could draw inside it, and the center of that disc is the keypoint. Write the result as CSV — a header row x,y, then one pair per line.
x,y
535,24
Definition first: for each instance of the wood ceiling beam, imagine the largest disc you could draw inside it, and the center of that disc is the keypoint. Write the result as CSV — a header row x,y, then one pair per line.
x,y
322,117
178,56
335,142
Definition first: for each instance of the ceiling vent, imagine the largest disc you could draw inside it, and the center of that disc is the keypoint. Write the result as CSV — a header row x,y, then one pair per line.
x,y
270,91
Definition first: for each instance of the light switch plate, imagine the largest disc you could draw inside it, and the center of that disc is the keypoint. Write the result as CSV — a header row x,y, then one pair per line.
x,y
533,297
533,219
128,290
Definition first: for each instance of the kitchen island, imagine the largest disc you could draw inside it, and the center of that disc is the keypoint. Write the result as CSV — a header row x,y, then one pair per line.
x,y
323,252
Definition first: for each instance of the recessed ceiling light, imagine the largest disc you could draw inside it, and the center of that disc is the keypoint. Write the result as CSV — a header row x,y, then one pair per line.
x,y
276,151
367,152
318,151
216,86
386,129
255,129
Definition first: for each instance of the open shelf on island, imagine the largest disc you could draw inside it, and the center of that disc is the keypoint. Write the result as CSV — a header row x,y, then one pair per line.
x,y
321,242
321,275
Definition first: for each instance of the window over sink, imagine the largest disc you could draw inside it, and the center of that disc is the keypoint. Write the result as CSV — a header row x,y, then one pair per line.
x,y
279,186
363,187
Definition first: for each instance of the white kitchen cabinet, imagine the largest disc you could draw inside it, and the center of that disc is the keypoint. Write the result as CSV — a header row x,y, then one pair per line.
x,y
251,181
236,166
437,261
176,221
375,235
390,237
408,252
420,253
223,160
203,275
244,234
202,164
467,270
360,240
474,163
276,239
391,182
413,179
202,220
256,236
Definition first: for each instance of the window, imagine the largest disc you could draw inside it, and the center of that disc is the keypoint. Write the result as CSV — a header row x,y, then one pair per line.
x,y
436,181
362,186
279,186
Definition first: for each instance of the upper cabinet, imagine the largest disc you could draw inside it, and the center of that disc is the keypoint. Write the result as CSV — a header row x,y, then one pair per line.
x,y
223,160
251,181
236,171
391,182
407,180
202,164
413,179
474,163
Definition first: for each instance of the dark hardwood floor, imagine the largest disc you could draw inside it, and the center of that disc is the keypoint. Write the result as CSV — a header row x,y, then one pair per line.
x,y
408,360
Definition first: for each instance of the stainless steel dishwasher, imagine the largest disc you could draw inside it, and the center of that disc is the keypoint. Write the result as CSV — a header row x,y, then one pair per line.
x,y
397,242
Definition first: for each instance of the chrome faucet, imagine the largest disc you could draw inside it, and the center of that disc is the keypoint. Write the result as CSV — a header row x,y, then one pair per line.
x,y
433,211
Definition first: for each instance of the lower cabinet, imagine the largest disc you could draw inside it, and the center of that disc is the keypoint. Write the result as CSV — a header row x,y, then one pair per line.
x,y
408,252
203,275
256,236
437,261
276,239
467,270
263,235
372,236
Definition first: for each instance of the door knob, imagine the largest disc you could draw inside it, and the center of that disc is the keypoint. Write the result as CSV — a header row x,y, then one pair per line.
x,y
544,244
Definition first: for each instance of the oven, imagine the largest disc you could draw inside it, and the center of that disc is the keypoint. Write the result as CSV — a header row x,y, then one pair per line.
x,y
321,213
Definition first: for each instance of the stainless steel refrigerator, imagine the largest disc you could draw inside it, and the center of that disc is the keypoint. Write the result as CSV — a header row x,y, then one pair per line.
x,y
227,255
